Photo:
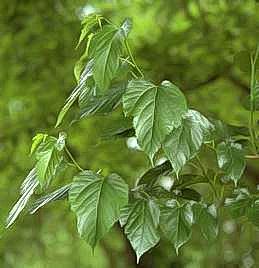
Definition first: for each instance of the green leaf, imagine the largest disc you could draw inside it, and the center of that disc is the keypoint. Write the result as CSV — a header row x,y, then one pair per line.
x,y
96,201
140,220
176,222
190,194
56,195
231,160
151,175
225,131
157,110
206,219
238,204
36,141
88,24
49,157
106,49
101,105
184,142
87,73
244,204
27,189
119,133
252,212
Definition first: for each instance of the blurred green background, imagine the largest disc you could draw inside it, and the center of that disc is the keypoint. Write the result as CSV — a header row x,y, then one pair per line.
x,y
190,42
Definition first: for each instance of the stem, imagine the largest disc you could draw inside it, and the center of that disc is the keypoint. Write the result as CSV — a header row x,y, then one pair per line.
x,y
132,58
73,159
252,119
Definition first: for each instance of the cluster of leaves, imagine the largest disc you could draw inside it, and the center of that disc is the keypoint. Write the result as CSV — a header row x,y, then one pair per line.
x,y
108,78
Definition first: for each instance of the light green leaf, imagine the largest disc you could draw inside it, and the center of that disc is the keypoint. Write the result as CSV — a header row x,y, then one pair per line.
x,y
27,189
157,110
56,195
36,141
106,49
231,160
140,220
87,73
49,158
206,219
176,222
184,142
88,24
97,201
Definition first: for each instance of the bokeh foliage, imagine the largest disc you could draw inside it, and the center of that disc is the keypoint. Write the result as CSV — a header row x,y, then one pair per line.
x,y
199,45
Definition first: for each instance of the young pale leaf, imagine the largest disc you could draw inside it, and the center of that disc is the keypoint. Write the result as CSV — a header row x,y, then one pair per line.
x,y
36,141
56,195
176,222
206,218
96,201
87,73
231,160
88,24
157,110
27,189
140,220
106,49
184,142
49,158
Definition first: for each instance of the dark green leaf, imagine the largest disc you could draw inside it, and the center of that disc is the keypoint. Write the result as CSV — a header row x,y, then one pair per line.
x,y
253,212
190,194
96,201
140,220
176,222
122,132
152,174
184,142
101,105
238,204
231,160
157,110
206,218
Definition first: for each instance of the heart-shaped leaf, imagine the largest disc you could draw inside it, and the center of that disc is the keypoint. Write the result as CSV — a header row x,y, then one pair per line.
x,y
157,110
184,142
96,201
140,220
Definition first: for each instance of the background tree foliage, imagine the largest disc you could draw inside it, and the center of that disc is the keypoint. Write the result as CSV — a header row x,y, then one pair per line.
x,y
199,45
